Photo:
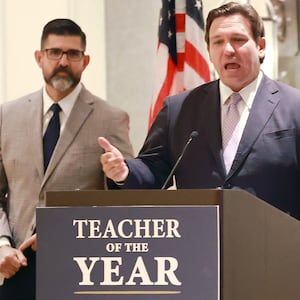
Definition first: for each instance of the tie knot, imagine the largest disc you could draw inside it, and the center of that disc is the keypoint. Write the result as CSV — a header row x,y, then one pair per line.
x,y
235,98
55,108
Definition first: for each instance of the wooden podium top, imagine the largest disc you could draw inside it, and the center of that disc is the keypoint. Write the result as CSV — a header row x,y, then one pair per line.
x,y
133,197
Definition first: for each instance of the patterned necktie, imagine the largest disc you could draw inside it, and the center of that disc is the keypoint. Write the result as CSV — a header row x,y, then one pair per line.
x,y
51,135
231,119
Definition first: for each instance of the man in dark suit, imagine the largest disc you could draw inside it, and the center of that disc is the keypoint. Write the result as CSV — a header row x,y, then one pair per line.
x,y
24,175
265,144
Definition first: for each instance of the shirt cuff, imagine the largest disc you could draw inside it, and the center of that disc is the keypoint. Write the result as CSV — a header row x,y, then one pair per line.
x,y
4,241
119,183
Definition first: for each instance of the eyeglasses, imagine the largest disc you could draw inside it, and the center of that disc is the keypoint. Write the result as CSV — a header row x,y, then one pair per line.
x,y
56,54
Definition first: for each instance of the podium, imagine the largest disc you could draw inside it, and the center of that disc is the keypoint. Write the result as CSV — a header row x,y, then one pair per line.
x,y
152,244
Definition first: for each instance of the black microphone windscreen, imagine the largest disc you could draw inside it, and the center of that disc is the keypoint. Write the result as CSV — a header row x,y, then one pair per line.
x,y
194,134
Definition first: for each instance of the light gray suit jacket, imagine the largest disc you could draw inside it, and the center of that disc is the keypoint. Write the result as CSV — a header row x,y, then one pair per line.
x,y
74,164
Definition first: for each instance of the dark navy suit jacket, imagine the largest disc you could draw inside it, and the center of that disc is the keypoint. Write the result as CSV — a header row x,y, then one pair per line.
x,y
267,159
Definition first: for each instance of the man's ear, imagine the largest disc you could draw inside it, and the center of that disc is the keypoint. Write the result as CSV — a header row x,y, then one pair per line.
x,y
38,57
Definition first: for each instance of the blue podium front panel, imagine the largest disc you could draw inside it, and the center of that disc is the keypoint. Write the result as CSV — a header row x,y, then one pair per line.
x,y
128,253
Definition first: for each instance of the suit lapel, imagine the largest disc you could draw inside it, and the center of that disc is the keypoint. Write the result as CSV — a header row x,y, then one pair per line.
x,y
80,112
266,100
212,111
34,114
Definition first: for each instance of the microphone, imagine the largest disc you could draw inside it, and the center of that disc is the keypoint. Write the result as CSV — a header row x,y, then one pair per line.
x,y
193,135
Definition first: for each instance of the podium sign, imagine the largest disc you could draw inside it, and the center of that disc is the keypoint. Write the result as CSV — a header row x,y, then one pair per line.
x,y
128,253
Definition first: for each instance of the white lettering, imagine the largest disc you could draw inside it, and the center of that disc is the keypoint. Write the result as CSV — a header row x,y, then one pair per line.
x,y
158,228
136,247
121,229
79,224
94,228
139,228
113,247
110,231
162,272
136,228
85,270
172,228
139,271
112,272
109,270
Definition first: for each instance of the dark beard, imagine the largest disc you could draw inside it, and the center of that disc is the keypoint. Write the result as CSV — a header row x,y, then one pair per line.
x,y
62,83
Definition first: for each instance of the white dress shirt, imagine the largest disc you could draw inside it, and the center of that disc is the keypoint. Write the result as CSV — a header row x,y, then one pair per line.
x,y
66,104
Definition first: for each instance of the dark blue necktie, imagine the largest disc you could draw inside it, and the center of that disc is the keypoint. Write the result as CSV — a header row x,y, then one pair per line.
x,y
51,135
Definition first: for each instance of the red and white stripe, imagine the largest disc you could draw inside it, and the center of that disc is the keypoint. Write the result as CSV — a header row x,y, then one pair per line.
x,y
192,67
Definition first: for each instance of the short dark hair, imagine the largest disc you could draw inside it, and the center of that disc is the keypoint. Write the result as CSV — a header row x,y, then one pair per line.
x,y
63,27
231,8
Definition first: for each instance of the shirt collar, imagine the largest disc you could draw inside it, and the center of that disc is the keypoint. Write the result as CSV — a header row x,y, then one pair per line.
x,y
247,93
66,103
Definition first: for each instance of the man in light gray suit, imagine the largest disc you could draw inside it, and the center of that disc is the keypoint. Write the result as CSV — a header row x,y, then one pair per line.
x,y
74,163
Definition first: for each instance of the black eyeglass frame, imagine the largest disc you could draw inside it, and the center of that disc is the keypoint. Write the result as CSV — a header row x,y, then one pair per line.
x,y
60,54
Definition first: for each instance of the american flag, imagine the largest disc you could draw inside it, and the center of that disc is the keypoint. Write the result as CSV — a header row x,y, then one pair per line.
x,y
182,58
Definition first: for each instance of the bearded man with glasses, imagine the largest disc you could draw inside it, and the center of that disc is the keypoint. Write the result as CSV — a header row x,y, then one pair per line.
x,y
48,141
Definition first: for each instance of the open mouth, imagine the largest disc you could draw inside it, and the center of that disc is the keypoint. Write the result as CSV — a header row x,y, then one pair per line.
x,y
232,66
